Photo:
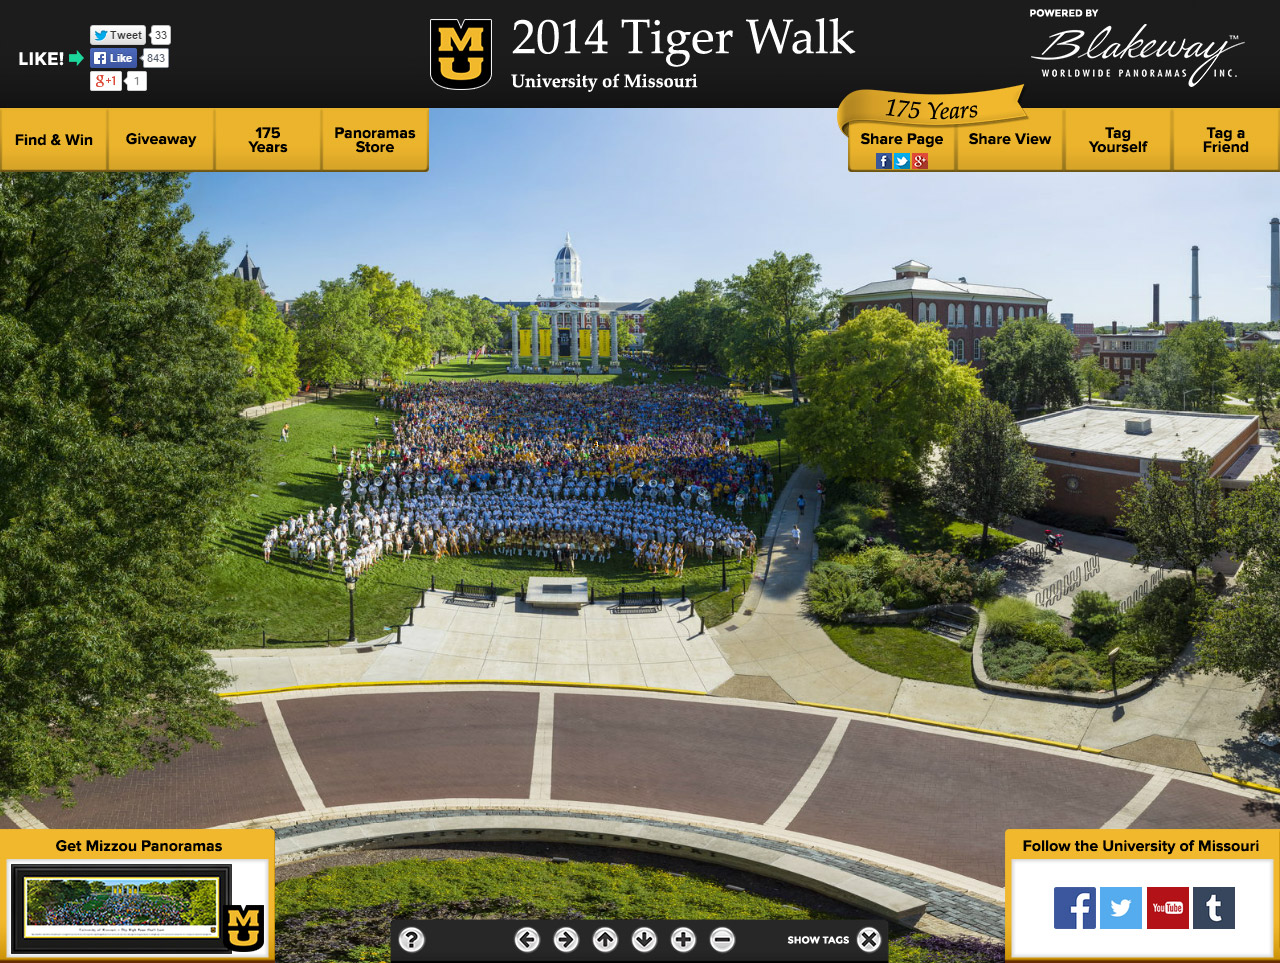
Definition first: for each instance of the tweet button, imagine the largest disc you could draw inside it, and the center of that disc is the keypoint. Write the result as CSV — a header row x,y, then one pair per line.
x,y
1120,908
117,34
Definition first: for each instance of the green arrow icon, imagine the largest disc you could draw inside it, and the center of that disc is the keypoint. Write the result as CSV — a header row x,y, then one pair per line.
x,y
76,57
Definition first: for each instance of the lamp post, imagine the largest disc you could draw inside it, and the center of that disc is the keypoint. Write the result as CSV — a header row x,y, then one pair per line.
x,y
351,606
779,440
1189,391
724,577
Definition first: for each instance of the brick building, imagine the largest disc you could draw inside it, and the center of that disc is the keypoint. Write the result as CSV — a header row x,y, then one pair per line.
x,y
1129,352
1251,340
1093,452
969,312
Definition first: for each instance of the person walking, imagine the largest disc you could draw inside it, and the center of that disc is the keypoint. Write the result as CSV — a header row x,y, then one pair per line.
x,y
800,503
795,535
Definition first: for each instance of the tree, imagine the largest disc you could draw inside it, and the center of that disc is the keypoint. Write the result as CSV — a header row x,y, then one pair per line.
x,y
778,303
1192,368
883,390
1094,377
337,338
1257,371
268,349
1241,634
1179,521
688,328
1167,384
120,448
203,908
1030,364
988,471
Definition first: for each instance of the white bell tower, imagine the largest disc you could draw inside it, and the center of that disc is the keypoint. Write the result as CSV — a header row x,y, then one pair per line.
x,y
568,279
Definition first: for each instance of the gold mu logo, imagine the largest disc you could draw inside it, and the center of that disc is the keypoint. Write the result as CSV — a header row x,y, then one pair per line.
x,y
244,928
461,53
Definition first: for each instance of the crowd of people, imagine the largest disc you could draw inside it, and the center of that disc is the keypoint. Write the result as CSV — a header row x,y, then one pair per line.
x,y
118,909
558,471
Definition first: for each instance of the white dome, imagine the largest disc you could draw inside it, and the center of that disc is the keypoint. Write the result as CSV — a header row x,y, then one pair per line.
x,y
567,282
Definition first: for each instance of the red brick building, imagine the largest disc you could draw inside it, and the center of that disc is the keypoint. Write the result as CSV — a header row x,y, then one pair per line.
x,y
1094,452
969,312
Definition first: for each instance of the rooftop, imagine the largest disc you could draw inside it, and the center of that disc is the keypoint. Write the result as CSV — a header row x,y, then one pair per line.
x,y
1100,428
949,289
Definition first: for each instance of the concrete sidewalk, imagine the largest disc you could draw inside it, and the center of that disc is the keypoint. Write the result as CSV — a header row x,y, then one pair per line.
x,y
772,637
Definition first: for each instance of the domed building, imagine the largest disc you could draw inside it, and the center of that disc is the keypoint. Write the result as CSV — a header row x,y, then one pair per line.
x,y
569,310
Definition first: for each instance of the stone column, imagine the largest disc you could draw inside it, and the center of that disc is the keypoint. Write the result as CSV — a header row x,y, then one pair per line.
x,y
555,343
615,366
595,342
535,348
514,367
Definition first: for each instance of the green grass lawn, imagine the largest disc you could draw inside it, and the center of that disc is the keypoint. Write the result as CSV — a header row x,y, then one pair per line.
x,y
289,602
904,651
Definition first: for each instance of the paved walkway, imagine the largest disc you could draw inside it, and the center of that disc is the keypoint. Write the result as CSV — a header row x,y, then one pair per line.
x,y
771,648
301,398
771,636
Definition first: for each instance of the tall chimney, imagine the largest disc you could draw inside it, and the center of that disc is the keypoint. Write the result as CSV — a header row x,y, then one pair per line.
x,y
1195,284
1155,304
1275,269
1113,327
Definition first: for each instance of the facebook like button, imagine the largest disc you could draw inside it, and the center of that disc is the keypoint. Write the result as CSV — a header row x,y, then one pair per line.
x,y
116,58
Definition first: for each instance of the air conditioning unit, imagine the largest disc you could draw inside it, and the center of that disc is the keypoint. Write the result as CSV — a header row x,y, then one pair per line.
x,y
1137,426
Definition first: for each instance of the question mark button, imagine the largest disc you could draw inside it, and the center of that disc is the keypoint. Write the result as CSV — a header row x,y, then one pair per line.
x,y
411,939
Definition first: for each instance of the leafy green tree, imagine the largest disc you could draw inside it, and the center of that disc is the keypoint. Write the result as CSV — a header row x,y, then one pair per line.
x,y
267,347
1030,364
883,390
777,303
203,909
1180,521
688,328
1167,384
120,447
1192,369
1093,377
337,338
1241,634
988,471
1257,371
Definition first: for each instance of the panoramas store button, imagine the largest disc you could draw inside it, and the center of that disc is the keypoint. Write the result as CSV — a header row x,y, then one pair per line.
x,y
375,139
160,139
53,139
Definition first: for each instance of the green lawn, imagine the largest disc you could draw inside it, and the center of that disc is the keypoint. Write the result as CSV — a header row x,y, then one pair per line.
x,y
903,651
293,603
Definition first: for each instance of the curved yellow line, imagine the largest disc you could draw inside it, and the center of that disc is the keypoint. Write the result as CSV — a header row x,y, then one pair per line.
x,y
527,682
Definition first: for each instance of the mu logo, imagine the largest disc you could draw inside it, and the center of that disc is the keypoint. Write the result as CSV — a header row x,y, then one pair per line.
x,y
244,928
461,53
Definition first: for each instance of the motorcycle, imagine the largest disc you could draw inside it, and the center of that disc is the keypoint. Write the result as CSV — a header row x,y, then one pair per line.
x,y
1053,541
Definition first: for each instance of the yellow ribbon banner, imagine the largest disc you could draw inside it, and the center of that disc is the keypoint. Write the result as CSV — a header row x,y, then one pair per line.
x,y
929,110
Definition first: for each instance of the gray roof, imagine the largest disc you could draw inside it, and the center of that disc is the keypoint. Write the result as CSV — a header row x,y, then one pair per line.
x,y
1267,335
622,307
248,271
939,288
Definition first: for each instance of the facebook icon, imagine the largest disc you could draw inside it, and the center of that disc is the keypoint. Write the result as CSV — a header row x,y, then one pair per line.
x,y
883,161
1074,908
99,58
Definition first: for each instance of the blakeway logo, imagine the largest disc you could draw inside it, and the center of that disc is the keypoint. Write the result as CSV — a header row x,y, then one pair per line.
x,y
1167,908
1187,58
461,53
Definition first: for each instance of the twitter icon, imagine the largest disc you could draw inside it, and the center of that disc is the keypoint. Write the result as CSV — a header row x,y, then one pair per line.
x,y
902,162
99,35
1121,908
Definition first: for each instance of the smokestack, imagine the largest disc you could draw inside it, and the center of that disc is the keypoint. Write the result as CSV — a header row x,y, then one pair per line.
x,y
1155,304
1113,327
1195,284
1275,269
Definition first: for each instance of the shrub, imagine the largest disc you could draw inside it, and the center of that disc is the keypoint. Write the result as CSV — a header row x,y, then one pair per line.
x,y
837,590
1162,623
987,582
904,596
1065,670
1096,616
939,577
1007,617
879,563
1050,636
1011,659
1130,666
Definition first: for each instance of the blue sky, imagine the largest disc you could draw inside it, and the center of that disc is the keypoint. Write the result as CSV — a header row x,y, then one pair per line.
x,y
655,199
